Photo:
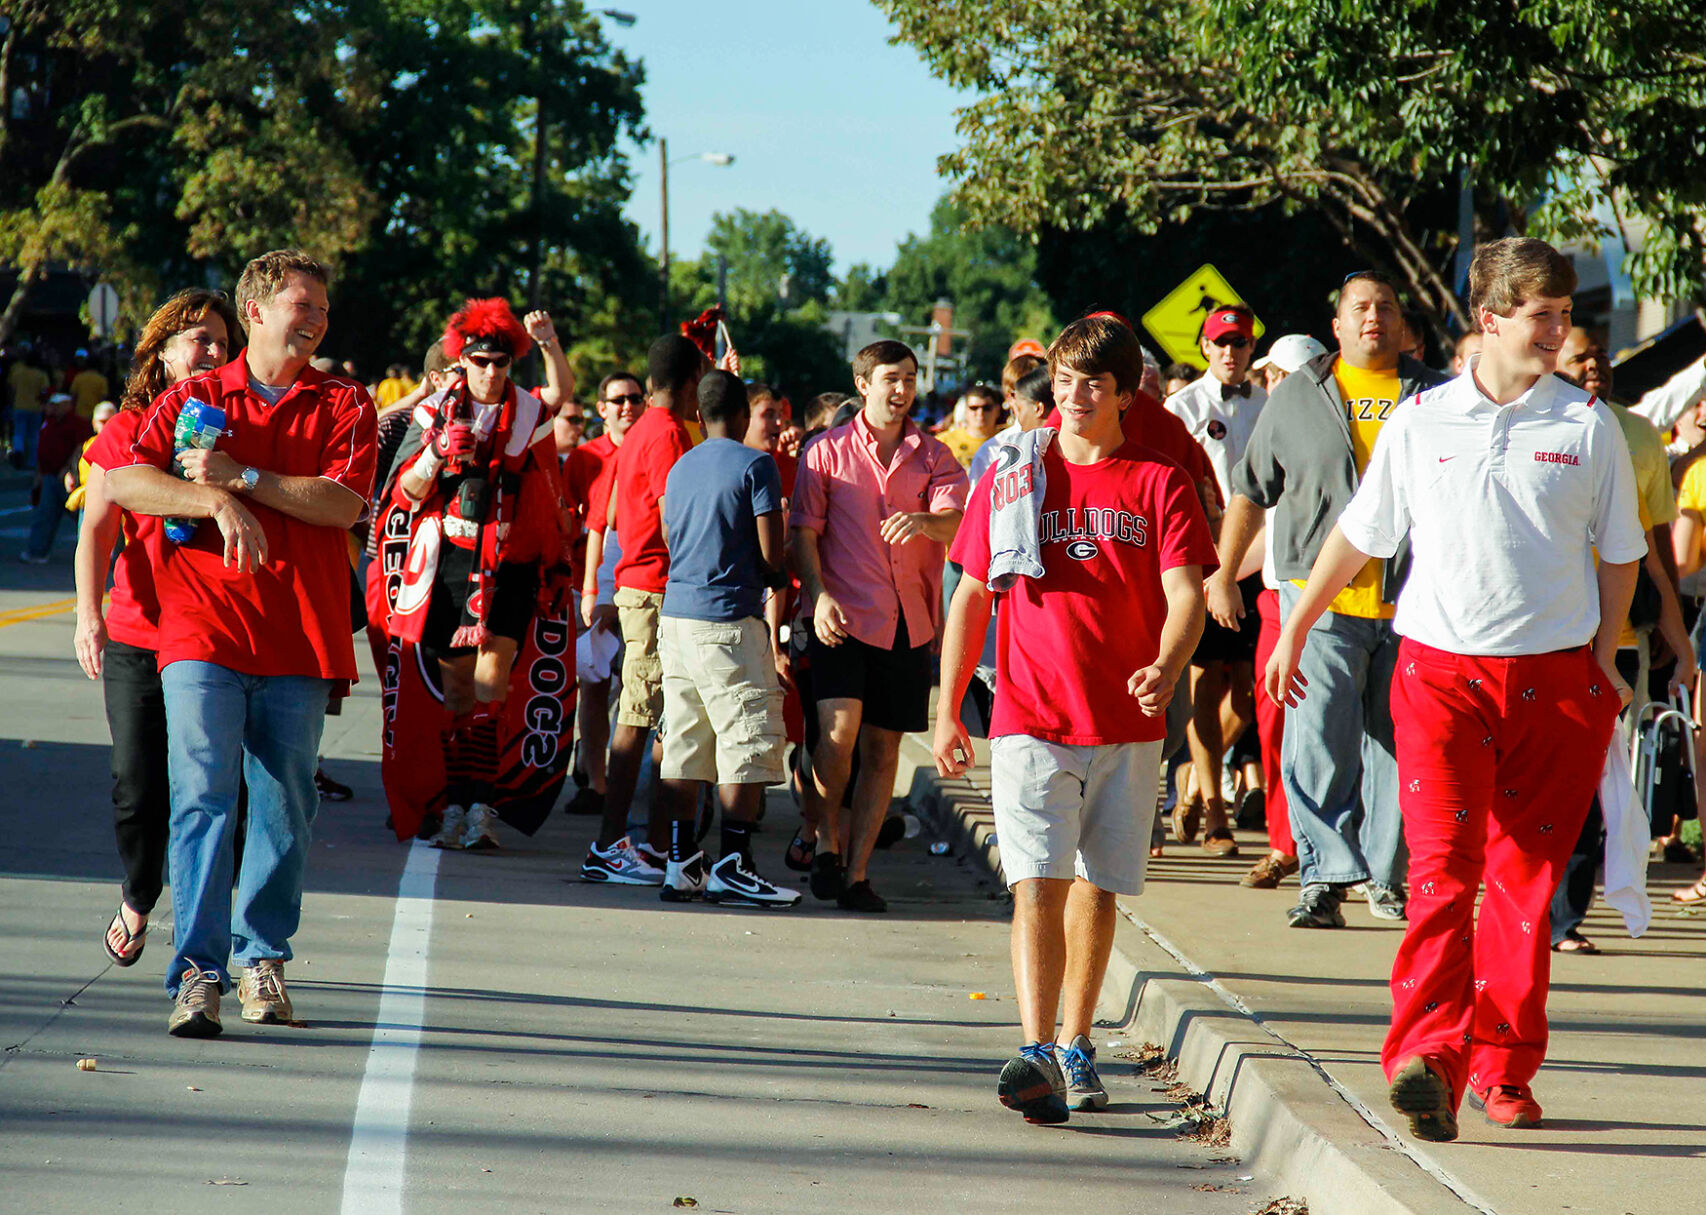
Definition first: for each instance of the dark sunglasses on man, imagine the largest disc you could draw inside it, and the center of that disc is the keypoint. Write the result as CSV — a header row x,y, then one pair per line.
x,y
500,361
626,398
1234,341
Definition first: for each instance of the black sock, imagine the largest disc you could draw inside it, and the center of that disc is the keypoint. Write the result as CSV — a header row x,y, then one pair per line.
x,y
737,837
682,843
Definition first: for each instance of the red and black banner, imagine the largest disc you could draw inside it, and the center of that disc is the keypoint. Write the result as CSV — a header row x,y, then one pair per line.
x,y
535,723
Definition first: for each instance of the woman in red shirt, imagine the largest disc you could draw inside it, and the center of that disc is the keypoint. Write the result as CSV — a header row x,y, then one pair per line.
x,y
190,333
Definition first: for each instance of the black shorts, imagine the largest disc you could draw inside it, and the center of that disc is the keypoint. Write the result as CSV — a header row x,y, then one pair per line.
x,y
893,685
513,597
1233,645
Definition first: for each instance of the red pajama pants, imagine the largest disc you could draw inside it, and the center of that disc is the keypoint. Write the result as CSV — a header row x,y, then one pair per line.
x,y
1498,760
1270,727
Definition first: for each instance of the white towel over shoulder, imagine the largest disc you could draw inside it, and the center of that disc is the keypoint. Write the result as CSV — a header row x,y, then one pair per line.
x,y
1016,509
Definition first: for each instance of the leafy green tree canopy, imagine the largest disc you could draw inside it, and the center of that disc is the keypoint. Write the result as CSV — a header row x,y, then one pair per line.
x,y
1559,112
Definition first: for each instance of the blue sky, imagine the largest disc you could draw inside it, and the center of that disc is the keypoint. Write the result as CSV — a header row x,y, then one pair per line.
x,y
827,122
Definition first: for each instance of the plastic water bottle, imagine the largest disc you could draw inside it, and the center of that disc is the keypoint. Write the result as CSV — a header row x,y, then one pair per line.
x,y
198,429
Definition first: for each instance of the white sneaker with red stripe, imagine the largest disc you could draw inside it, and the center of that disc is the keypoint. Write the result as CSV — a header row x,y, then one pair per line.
x,y
620,865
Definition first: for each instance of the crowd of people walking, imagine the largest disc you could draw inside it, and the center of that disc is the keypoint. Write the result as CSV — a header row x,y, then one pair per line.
x,y
1388,612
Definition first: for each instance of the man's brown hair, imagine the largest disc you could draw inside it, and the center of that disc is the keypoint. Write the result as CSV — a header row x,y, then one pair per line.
x,y
436,361
1016,370
758,391
1506,274
1096,345
264,277
884,353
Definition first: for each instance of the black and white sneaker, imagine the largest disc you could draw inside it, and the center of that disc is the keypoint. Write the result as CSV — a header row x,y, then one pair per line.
x,y
732,881
684,881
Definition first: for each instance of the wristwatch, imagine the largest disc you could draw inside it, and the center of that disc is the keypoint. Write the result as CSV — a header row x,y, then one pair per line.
x,y
251,478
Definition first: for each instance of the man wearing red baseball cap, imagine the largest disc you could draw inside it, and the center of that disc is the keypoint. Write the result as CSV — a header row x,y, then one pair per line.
x,y
1220,410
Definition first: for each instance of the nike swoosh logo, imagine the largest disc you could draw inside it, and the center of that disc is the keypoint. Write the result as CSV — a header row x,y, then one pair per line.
x,y
1443,459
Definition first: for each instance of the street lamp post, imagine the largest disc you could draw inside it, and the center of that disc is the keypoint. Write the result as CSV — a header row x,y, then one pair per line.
x,y
720,159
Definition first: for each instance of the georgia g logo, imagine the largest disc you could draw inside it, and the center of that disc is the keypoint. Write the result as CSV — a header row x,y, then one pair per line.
x,y
1082,550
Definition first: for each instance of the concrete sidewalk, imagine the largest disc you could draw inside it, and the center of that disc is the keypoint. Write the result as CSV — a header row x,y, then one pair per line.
x,y
1283,1028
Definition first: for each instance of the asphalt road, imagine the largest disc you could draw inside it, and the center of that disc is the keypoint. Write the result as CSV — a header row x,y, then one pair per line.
x,y
480,1034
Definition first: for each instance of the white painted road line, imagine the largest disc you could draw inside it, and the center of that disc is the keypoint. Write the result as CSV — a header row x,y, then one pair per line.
x,y
379,1138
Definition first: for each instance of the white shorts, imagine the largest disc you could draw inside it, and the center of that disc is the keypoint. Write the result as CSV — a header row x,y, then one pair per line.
x,y
722,702
1063,811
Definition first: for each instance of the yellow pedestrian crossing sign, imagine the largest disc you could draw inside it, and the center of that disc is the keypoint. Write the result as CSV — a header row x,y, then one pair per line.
x,y
1177,320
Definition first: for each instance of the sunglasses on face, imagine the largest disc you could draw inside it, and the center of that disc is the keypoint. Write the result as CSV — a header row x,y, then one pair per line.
x,y
631,398
574,419
500,361
1233,340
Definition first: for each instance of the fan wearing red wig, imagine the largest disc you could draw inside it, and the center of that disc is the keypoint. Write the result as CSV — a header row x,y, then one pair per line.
x,y
485,520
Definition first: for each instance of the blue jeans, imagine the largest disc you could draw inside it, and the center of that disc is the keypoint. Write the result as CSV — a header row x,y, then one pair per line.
x,y
45,519
1337,756
26,430
221,724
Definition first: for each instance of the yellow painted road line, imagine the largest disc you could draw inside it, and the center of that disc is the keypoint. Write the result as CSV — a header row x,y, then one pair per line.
x,y
40,611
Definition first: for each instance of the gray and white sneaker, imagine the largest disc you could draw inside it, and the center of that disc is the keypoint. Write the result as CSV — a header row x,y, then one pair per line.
x,y
478,834
1385,902
1317,907
1033,1084
684,881
451,829
733,882
621,864
1084,1089
195,1012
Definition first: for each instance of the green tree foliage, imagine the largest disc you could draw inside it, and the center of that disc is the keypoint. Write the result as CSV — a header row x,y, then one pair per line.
x,y
428,149
1560,112
781,340
989,274
151,136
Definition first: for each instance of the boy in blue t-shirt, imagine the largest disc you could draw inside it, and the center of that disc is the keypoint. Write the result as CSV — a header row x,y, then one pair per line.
x,y
722,698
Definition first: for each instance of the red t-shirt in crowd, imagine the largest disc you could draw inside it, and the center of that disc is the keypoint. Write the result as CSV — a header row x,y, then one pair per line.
x,y
653,444
1067,643
1148,423
61,438
133,607
580,470
789,468
290,617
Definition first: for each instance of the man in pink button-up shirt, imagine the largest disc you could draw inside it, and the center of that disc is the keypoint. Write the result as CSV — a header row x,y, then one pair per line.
x,y
875,506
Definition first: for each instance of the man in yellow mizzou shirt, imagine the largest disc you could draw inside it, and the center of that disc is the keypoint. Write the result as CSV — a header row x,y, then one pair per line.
x,y
1304,460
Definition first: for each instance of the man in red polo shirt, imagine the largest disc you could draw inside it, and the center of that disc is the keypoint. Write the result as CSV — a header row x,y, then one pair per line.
x,y
653,444
587,475
254,629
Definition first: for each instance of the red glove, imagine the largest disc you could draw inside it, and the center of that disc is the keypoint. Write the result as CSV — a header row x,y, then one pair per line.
x,y
454,442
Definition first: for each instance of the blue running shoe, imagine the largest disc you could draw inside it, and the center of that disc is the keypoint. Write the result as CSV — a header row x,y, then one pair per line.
x,y
1084,1089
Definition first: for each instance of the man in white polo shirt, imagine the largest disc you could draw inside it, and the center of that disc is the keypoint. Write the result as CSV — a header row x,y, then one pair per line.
x,y
1506,479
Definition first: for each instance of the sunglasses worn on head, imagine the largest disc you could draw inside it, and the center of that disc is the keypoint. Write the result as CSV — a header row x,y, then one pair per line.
x,y
630,398
1236,341
499,361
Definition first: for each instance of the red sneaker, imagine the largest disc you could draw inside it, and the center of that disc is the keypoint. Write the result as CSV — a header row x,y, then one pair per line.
x,y
1508,1105
1419,1091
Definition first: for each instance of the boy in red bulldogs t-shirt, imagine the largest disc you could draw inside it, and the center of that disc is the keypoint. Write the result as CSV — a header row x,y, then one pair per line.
x,y
1088,652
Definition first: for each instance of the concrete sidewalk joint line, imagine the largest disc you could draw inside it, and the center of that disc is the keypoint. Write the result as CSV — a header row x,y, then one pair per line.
x,y
379,1135
1374,1120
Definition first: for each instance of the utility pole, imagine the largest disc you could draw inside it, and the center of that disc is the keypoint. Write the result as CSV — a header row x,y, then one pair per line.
x,y
663,257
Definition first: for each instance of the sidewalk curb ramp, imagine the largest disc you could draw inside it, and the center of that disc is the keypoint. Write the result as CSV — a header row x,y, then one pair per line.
x,y
1300,1132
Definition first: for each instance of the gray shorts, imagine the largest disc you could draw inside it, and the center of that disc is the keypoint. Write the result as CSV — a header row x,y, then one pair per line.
x,y
1064,811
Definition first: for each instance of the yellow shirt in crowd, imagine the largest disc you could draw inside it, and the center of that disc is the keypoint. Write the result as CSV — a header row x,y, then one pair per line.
x,y
962,443
1369,398
88,389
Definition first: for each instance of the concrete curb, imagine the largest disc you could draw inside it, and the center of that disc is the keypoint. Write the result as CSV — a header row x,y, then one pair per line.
x,y
1302,1133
